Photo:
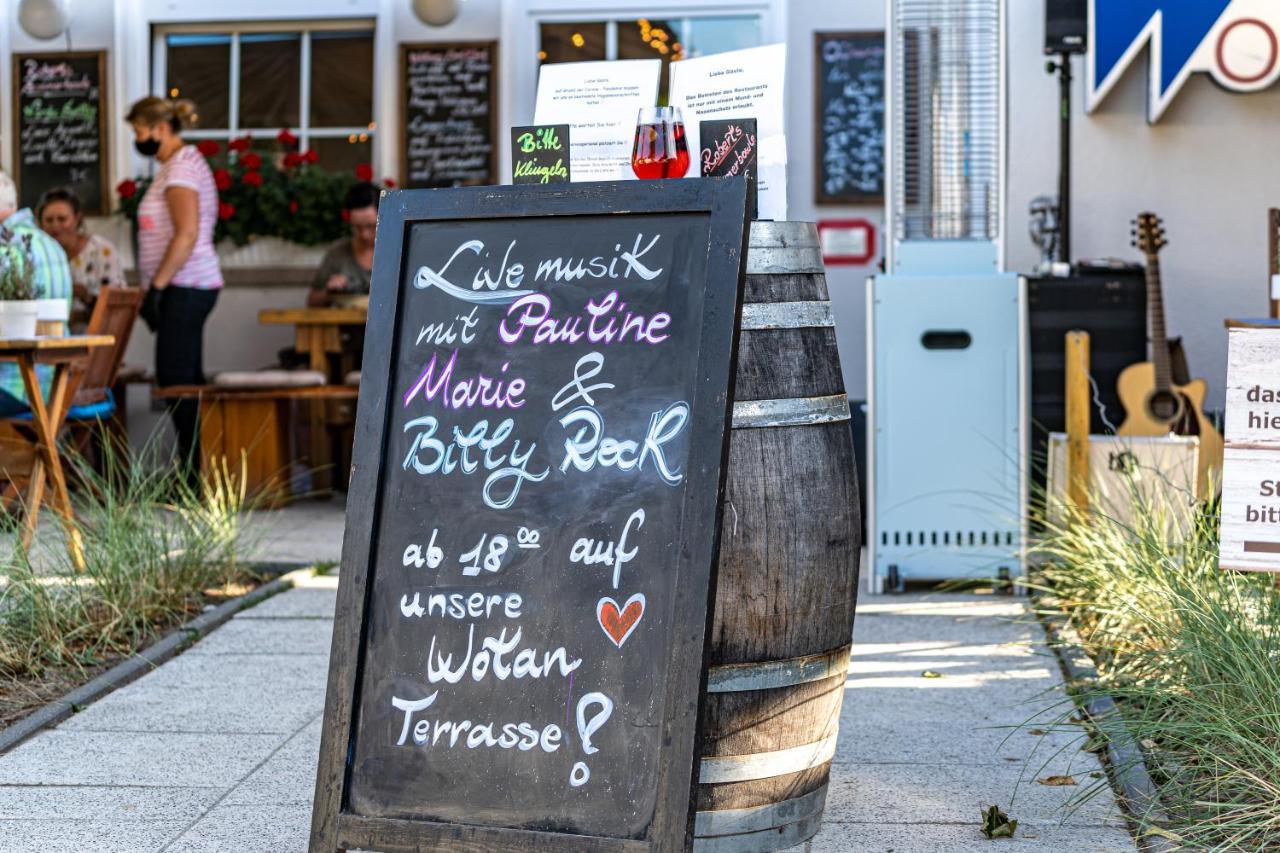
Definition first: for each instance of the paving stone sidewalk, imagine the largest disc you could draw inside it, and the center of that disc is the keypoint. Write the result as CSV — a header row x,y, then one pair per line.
x,y
216,749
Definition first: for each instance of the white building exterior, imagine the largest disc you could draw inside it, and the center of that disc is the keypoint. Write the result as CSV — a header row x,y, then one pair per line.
x,y
1208,167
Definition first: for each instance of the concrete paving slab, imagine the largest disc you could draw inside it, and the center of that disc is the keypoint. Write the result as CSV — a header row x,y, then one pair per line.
x,y
190,671
83,836
876,737
287,777
253,708
247,829
62,757
952,838
951,793
111,804
298,604
268,636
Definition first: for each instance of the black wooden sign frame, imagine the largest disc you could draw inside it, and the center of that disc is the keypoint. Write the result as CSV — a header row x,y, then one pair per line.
x,y
104,194
494,80
334,826
820,196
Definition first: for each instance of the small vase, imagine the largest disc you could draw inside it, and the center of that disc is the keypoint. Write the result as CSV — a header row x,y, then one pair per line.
x,y
18,318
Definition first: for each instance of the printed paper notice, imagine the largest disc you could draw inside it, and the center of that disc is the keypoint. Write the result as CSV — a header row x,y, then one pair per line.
x,y
600,102
740,84
1250,535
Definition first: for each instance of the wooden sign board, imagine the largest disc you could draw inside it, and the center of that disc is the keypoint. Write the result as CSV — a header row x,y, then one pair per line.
x,y
1250,536
540,154
849,97
729,149
60,127
449,105
532,526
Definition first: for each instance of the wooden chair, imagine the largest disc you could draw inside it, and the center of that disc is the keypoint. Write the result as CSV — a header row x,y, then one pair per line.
x,y
89,402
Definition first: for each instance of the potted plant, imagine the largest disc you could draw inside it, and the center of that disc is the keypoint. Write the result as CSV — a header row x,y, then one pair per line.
x,y
18,309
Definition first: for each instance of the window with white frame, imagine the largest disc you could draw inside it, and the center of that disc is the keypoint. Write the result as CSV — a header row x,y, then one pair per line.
x,y
667,39
315,80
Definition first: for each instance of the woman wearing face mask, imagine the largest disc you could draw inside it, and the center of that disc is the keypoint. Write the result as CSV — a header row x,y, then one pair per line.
x,y
176,258
95,263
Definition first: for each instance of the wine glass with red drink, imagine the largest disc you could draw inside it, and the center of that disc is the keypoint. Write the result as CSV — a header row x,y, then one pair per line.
x,y
661,150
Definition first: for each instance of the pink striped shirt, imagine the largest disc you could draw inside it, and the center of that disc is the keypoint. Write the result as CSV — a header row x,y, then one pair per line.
x,y
186,168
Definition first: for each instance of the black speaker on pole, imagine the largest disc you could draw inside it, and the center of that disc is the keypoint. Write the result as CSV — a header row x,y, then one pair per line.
x,y
1066,26
1108,302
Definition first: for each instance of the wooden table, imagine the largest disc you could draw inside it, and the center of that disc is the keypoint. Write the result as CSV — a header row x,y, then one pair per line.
x,y
318,334
46,421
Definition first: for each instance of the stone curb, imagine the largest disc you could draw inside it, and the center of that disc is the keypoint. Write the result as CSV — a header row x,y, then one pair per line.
x,y
136,666
1126,764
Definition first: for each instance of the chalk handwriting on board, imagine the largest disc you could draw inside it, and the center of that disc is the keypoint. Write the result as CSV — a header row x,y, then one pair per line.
x,y
849,95
551,412
449,114
58,105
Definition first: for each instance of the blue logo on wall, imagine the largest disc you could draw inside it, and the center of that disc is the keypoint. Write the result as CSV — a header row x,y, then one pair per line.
x,y
1232,40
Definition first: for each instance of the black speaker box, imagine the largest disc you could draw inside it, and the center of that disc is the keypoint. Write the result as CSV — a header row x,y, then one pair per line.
x,y
1066,26
1110,303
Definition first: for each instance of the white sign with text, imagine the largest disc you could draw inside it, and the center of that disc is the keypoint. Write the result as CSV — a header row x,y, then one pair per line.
x,y
1251,467
600,101
740,84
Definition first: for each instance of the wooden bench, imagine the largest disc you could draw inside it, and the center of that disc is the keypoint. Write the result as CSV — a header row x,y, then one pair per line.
x,y
253,424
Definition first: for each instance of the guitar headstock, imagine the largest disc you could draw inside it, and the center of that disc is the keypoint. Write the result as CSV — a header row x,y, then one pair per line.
x,y
1148,234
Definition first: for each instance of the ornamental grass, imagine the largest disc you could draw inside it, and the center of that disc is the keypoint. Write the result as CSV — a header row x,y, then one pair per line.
x,y
157,551
1190,653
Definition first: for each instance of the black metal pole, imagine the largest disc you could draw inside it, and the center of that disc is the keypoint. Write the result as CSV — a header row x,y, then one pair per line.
x,y
1064,157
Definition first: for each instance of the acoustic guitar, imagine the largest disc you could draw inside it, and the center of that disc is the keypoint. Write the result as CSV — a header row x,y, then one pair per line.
x,y
1153,403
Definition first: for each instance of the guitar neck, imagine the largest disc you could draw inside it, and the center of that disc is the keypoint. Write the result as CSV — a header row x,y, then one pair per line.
x,y
1159,335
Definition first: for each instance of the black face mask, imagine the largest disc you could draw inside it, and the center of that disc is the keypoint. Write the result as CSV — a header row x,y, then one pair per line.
x,y
147,147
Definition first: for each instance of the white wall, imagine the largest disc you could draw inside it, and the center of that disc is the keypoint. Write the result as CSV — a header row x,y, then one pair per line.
x,y
1209,168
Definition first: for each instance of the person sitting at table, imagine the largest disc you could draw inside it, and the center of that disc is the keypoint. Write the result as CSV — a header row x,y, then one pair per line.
x,y
95,263
343,275
51,280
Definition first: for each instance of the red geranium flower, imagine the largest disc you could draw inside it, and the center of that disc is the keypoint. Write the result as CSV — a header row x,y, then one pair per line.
x,y
252,179
287,139
226,210
389,183
208,147
222,179
311,156
251,161
346,215
292,160
127,189
364,172
293,207
241,144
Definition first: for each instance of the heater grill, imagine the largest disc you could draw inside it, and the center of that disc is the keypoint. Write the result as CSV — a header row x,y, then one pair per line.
x,y
946,103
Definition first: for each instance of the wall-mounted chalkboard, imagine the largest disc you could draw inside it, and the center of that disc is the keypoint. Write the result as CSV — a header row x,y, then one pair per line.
x,y
59,126
849,117
449,105
532,527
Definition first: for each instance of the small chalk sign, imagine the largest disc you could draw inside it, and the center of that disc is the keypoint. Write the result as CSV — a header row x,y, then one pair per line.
x,y
528,569
540,154
729,149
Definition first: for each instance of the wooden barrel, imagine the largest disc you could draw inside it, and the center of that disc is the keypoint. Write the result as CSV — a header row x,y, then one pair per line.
x,y
789,550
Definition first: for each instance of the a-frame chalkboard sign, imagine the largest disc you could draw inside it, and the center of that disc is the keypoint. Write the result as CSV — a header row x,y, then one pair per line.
x,y
532,527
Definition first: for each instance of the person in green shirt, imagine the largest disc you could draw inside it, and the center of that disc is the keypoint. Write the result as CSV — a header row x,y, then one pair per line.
x,y
20,235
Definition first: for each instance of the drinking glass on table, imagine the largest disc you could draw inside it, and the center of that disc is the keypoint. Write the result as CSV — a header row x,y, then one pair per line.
x,y
661,150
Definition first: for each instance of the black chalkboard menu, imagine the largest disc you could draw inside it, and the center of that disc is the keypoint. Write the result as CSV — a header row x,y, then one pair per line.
x,y
849,117
59,126
532,526
449,106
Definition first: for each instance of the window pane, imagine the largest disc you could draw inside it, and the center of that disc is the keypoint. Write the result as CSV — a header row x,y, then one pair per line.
x,y
706,36
572,42
651,38
199,68
270,66
342,155
341,79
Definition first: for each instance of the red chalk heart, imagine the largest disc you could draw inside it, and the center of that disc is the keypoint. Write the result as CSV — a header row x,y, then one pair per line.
x,y
619,622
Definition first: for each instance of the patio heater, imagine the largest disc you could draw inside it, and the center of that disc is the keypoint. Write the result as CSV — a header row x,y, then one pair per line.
x,y
946,323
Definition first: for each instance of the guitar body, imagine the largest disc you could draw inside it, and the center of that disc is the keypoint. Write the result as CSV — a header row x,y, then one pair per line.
x,y
1146,413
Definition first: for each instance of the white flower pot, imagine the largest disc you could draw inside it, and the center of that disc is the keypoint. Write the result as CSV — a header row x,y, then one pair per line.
x,y
53,310
18,318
